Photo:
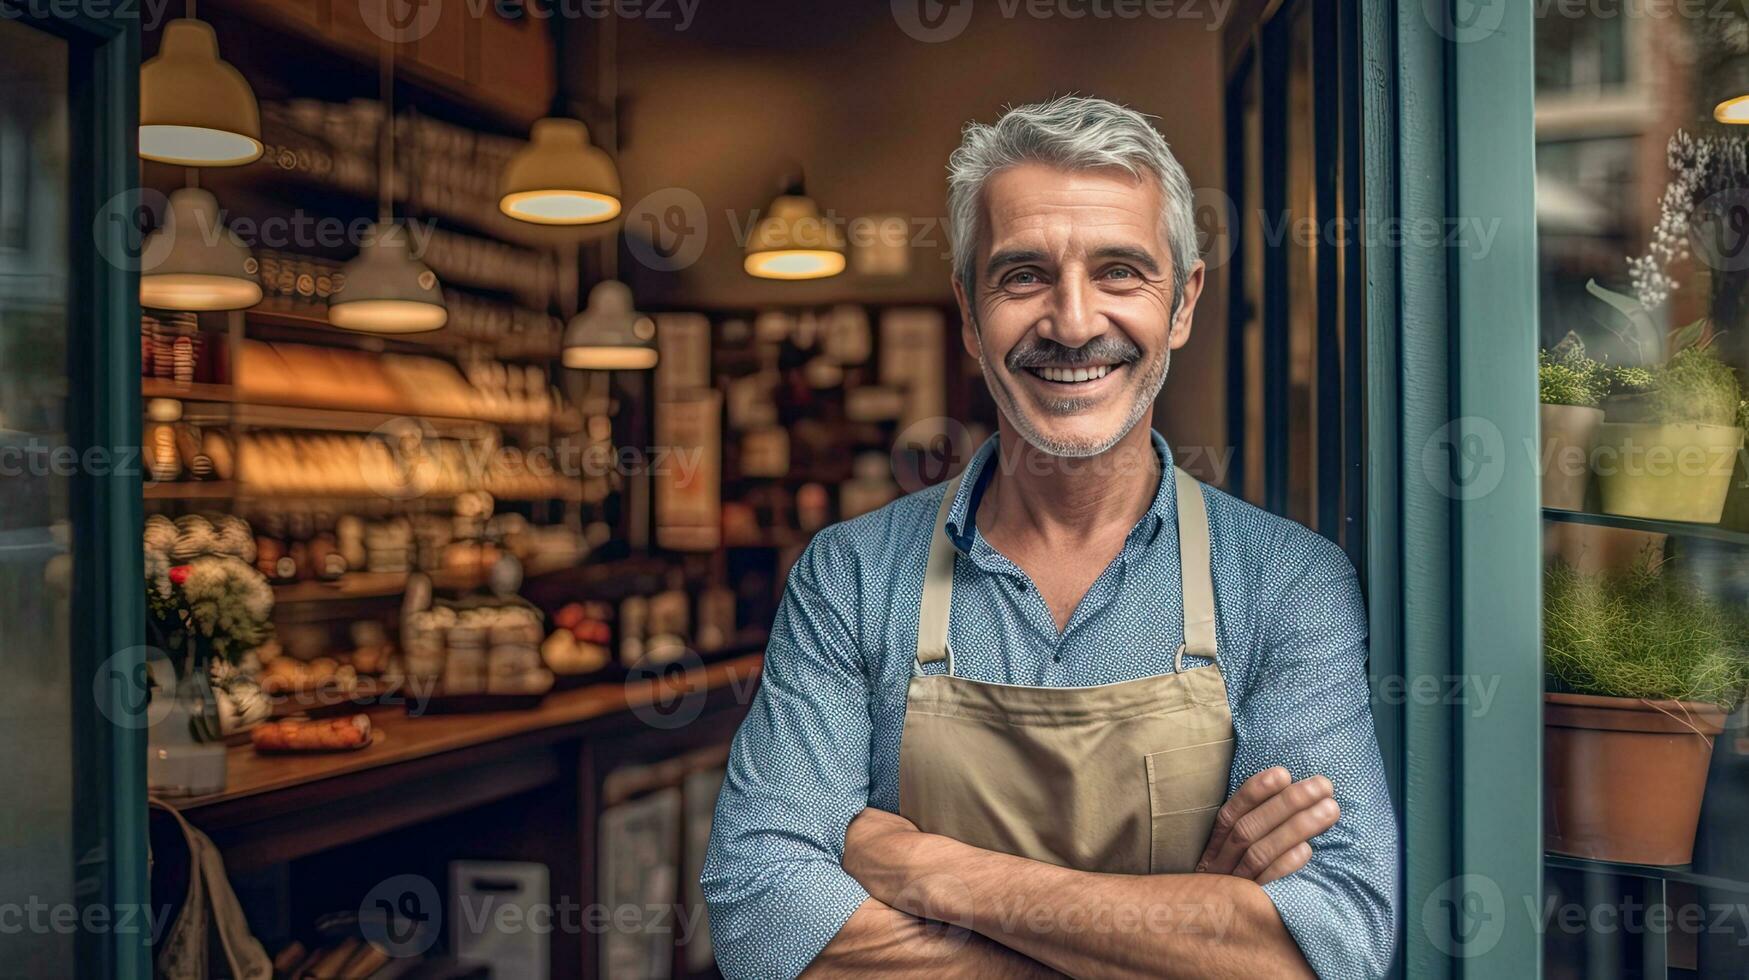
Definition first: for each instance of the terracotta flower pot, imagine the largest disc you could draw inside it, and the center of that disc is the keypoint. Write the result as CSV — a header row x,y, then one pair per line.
x,y
1569,433
1593,549
1678,472
1625,776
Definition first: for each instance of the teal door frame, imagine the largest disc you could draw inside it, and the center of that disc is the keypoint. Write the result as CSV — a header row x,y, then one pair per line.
x,y
103,408
1454,531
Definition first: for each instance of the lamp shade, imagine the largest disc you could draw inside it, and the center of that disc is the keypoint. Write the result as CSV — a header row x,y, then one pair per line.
x,y
793,241
559,179
387,290
1731,92
609,335
193,262
196,110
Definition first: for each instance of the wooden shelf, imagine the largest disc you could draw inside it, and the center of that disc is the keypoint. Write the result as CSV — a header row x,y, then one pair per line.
x,y
231,490
191,490
190,392
278,325
1678,872
373,585
409,736
264,415
1681,529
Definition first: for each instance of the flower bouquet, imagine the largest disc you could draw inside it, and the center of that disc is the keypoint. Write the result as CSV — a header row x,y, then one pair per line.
x,y
209,609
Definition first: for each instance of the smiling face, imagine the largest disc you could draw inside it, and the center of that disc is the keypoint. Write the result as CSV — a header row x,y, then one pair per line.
x,y
1073,314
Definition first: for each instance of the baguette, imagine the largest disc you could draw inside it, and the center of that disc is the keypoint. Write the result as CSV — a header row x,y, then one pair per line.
x,y
323,735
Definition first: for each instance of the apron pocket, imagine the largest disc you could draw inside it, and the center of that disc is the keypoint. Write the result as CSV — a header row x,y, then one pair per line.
x,y
1186,787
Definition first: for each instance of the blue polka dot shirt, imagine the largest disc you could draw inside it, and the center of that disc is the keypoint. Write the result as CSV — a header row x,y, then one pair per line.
x,y
821,740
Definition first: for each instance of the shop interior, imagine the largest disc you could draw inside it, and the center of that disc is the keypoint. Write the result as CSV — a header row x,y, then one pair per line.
x,y
496,361
521,565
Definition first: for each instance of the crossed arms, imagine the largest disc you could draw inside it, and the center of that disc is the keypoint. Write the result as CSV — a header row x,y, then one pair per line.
x,y
1009,916
798,875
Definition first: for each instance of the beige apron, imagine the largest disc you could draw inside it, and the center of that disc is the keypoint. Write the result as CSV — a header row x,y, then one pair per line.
x,y
1122,778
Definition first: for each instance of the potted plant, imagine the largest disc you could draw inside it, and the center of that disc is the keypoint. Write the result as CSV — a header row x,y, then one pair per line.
x,y
1570,385
1642,669
1669,441
208,608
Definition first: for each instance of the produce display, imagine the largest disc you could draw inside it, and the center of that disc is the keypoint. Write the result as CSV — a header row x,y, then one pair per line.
x,y
582,641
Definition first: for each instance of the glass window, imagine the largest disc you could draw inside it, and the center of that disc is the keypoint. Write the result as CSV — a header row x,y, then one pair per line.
x,y
36,687
1643,233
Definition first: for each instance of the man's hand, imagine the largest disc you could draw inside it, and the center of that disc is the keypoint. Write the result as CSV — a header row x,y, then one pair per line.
x,y
1264,832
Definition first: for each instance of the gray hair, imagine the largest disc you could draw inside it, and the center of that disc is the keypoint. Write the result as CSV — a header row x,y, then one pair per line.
x,y
1077,133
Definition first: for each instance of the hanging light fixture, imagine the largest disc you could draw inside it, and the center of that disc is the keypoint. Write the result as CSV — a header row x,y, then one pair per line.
x,y
385,289
1732,93
793,241
195,109
609,335
559,179
193,262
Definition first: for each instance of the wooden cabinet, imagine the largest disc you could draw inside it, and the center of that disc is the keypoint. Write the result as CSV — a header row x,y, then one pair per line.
x,y
469,53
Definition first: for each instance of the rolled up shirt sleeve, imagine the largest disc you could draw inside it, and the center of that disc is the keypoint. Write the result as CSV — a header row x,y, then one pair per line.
x,y
1308,708
798,773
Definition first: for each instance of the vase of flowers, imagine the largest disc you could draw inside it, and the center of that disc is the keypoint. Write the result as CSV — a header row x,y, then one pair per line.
x,y
1642,669
208,609
1699,236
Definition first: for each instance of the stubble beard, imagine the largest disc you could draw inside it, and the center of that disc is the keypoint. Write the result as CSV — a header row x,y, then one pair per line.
x,y
1147,389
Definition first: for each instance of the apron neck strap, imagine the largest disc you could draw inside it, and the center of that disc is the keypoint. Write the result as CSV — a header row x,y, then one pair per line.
x,y
937,585
1194,572
1193,569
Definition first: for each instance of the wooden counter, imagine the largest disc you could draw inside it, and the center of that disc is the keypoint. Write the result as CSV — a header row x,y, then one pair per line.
x,y
280,807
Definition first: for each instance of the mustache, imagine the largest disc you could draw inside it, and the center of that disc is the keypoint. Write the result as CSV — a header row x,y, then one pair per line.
x,y
1101,350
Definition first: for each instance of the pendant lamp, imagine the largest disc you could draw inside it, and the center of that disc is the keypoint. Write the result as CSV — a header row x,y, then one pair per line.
x,y
193,262
385,289
195,109
559,179
1731,92
609,335
792,240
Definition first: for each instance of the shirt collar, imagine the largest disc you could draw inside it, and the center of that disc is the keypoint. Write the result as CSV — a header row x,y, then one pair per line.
x,y
977,477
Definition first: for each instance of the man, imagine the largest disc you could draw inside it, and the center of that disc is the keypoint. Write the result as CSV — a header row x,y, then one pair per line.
x,y
1017,702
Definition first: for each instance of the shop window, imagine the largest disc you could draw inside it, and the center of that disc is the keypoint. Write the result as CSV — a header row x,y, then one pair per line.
x,y
1643,222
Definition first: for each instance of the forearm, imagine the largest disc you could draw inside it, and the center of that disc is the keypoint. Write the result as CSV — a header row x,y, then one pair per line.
x,y
1103,925
881,941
